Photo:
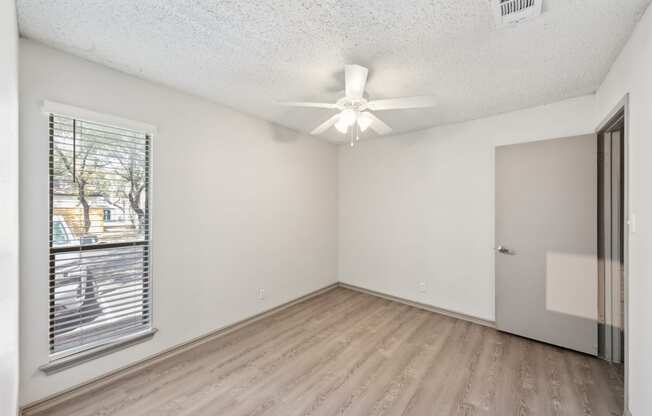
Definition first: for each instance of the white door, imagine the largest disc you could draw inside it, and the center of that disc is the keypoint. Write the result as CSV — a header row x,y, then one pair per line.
x,y
546,240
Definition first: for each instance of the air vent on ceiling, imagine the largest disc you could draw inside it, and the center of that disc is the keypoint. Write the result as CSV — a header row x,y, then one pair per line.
x,y
509,12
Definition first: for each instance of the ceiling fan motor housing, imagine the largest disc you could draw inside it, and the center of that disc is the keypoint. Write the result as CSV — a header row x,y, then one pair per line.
x,y
348,103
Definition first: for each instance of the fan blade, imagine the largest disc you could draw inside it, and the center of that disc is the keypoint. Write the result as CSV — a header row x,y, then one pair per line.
x,y
355,80
402,103
325,125
378,125
307,104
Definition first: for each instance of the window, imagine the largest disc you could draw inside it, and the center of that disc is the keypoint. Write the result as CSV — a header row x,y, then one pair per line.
x,y
99,275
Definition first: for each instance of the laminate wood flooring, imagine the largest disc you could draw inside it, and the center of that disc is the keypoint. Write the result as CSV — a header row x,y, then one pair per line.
x,y
348,353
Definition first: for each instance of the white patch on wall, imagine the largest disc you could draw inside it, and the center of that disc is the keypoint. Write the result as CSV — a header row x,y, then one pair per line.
x,y
510,12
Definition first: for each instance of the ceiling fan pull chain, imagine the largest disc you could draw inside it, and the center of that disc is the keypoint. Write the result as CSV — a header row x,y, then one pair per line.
x,y
351,134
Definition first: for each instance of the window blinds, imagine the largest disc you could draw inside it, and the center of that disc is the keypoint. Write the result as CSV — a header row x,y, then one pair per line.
x,y
100,247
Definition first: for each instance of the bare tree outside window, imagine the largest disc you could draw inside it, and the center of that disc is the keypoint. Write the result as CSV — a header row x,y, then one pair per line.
x,y
133,172
82,175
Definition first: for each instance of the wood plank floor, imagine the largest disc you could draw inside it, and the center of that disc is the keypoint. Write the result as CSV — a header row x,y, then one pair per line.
x,y
348,353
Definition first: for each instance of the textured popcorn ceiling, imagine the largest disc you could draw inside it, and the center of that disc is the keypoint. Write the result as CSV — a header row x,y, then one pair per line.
x,y
249,53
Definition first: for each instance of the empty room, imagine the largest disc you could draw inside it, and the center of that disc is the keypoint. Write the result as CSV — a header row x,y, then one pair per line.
x,y
316,208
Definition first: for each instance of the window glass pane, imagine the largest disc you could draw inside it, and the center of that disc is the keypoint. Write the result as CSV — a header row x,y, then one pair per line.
x,y
99,256
99,294
99,172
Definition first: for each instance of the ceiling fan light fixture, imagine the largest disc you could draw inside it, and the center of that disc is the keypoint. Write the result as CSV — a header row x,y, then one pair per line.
x,y
348,117
342,126
364,121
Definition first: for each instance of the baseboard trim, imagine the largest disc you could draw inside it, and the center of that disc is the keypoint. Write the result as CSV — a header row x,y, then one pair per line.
x,y
103,380
419,305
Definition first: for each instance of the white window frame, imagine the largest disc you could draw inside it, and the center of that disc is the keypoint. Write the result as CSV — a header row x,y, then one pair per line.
x,y
91,352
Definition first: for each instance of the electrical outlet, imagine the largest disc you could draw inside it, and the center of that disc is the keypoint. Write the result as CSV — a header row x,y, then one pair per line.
x,y
261,294
422,287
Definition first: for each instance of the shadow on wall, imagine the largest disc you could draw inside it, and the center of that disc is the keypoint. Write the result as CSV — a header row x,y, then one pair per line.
x,y
284,135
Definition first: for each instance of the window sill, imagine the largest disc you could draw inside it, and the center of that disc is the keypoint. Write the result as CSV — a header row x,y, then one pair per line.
x,y
82,357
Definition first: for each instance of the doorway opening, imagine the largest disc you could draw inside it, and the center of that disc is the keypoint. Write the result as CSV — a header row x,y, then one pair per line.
x,y
611,238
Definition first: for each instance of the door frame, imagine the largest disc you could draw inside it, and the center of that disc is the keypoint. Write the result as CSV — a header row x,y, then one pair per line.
x,y
623,106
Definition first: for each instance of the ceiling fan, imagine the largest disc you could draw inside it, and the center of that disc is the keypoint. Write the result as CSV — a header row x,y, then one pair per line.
x,y
355,110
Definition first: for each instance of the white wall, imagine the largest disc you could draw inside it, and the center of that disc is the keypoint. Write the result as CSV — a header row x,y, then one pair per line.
x,y
8,209
416,207
419,207
238,204
632,73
